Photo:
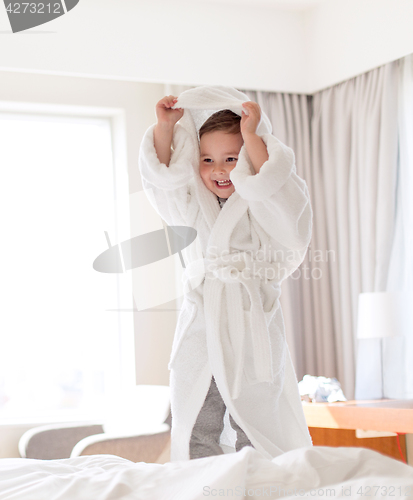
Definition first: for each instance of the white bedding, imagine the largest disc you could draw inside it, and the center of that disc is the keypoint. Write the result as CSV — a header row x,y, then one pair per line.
x,y
314,472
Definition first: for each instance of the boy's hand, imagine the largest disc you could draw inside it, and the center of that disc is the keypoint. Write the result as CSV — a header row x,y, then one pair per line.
x,y
249,123
163,131
165,115
255,146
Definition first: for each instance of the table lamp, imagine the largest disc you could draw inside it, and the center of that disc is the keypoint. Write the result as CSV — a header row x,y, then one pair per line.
x,y
381,315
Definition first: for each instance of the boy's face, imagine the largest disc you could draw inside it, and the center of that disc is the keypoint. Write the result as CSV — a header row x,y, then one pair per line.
x,y
218,156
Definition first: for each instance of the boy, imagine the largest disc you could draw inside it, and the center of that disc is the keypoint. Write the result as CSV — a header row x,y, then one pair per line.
x,y
229,350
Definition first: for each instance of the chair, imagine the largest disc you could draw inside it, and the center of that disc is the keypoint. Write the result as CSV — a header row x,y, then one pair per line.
x,y
55,441
135,428
150,446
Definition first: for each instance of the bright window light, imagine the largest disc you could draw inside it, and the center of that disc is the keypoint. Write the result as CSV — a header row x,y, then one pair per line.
x,y
59,347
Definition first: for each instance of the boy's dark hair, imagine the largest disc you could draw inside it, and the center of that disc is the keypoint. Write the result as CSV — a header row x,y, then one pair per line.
x,y
225,120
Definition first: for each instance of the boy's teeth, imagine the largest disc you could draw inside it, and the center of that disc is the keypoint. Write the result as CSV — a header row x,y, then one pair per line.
x,y
221,183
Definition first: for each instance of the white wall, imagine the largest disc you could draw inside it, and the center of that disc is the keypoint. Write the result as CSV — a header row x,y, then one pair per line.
x,y
9,439
164,41
250,44
345,38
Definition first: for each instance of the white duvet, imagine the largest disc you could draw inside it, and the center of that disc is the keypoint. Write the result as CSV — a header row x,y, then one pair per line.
x,y
313,472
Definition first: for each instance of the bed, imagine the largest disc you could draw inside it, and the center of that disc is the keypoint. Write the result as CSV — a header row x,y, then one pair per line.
x,y
315,472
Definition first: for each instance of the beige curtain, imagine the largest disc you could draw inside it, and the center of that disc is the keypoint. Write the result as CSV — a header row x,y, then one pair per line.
x,y
355,148
346,150
398,351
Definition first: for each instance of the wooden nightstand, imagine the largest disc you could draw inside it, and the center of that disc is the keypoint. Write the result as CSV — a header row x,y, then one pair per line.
x,y
334,424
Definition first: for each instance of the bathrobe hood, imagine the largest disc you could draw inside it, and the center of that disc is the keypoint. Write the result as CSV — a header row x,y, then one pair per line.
x,y
202,102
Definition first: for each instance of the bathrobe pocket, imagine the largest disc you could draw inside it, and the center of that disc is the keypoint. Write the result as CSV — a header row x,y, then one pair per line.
x,y
185,320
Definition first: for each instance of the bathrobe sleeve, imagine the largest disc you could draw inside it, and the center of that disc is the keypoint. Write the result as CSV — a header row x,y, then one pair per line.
x,y
169,188
278,198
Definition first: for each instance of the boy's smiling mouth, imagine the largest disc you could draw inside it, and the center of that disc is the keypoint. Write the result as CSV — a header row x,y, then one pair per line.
x,y
223,184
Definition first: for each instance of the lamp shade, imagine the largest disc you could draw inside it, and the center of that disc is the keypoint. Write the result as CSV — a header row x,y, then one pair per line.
x,y
384,314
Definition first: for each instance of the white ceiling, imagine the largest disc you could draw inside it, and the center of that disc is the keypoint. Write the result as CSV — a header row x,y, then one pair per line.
x,y
294,5
295,46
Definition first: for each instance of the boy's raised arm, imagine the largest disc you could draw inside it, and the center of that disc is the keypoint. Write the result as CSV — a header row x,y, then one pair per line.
x,y
278,198
163,131
256,149
166,173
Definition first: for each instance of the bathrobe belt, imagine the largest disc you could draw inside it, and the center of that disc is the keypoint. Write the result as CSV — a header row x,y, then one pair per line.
x,y
238,269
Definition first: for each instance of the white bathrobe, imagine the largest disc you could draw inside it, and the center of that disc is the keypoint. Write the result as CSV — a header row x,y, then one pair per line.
x,y
231,324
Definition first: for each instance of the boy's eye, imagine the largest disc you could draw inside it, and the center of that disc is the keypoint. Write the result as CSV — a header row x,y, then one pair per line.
x,y
231,159
207,160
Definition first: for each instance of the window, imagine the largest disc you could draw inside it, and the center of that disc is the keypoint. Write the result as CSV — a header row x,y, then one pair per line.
x,y
59,346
